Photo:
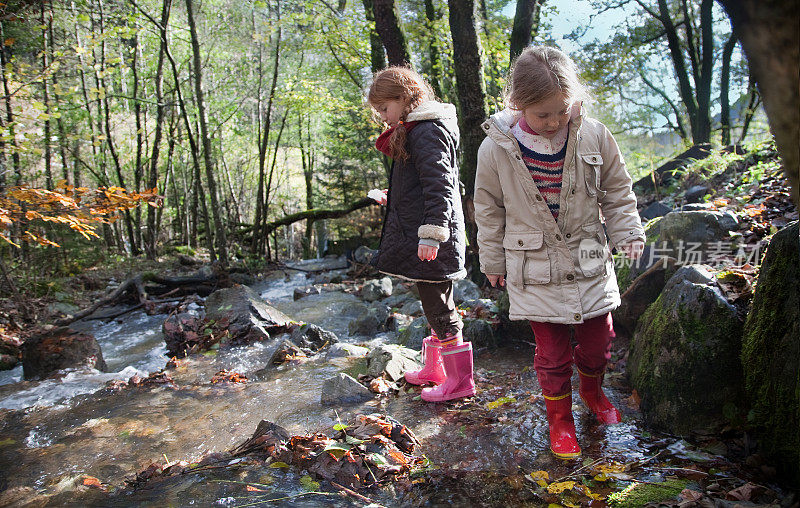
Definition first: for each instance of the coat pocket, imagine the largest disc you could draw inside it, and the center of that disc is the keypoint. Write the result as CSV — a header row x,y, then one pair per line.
x,y
593,254
593,165
527,261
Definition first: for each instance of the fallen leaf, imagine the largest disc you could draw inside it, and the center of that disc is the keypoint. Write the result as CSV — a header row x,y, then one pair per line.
x,y
557,488
540,477
499,402
91,481
251,488
691,495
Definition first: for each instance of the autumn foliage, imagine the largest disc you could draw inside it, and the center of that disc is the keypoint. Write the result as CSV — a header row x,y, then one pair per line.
x,y
80,208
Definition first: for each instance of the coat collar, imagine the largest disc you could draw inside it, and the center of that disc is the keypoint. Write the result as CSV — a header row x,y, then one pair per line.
x,y
498,126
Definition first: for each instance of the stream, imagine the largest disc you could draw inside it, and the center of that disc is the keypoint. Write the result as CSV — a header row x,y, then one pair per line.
x,y
54,432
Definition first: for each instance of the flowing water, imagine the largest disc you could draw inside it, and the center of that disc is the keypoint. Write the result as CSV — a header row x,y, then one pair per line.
x,y
53,432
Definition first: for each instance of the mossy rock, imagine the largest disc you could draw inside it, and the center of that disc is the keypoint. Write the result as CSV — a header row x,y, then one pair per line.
x,y
684,357
637,495
771,353
511,330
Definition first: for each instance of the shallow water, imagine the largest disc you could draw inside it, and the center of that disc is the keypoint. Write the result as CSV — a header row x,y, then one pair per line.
x,y
54,431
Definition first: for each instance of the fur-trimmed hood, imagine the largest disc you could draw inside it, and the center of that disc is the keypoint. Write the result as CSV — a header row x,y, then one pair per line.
x,y
441,111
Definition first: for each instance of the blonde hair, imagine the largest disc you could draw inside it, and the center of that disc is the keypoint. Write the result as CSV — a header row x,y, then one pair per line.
x,y
540,72
399,83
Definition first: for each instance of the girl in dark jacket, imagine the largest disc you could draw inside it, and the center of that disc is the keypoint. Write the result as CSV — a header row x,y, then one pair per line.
x,y
423,236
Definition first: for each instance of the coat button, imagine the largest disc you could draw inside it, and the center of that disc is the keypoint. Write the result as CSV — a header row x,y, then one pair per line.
x,y
573,191
568,235
518,157
538,197
570,277
558,238
521,243
577,317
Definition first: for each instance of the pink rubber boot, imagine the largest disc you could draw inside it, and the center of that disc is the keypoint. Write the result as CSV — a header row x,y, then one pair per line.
x,y
458,367
433,369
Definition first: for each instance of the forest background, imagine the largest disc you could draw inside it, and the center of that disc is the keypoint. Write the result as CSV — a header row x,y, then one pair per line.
x,y
244,123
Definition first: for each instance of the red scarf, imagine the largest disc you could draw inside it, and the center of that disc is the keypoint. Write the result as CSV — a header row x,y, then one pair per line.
x,y
382,143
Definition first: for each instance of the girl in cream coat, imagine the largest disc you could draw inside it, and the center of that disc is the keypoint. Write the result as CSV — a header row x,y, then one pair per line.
x,y
548,177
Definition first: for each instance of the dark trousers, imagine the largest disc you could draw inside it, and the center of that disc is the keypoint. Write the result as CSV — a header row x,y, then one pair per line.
x,y
440,308
554,354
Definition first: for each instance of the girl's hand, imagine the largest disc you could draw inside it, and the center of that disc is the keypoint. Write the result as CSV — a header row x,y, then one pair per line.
x,y
496,279
427,253
378,195
633,250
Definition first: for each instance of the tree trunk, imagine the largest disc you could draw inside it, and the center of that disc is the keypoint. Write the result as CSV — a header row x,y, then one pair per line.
x,y
152,177
377,56
526,24
206,139
387,23
259,242
134,249
47,23
432,16
724,91
137,113
468,63
308,176
770,38
493,87
9,113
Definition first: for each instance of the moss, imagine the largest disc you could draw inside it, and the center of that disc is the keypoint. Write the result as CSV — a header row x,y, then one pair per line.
x,y
771,353
652,230
676,355
637,495
623,271
358,368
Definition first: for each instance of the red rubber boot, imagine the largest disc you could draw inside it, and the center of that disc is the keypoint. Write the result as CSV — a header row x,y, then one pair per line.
x,y
591,393
458,367
563,442
433,368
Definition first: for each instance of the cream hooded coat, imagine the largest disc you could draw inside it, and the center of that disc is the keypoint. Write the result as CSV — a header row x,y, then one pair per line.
x,y
557,272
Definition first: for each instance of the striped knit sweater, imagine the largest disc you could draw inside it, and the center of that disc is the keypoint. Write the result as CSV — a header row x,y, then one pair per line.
x,y
544,159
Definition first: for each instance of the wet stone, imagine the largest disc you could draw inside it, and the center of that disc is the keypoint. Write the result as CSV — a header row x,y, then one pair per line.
x,y
412,308
376,289
344,389
392,359
60,348
341,350
304,291
313,337
413,335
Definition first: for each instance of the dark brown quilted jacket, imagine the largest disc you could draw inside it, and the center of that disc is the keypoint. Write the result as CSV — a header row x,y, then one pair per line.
x,y
424,190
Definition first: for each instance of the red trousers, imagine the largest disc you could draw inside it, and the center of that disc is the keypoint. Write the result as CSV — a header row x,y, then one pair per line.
x,y
554,354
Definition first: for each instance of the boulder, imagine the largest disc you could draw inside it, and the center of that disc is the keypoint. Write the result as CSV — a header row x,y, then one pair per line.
x,y
696,193
249,317
367,320
465,289
312,337
653,210
511,330
344,389
392,359
397,300
57,349
341,350
479,332
771,354
413,335
376,289
703,227
684,356
412,308
10,351
640,294
286,351
244,279
363,255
